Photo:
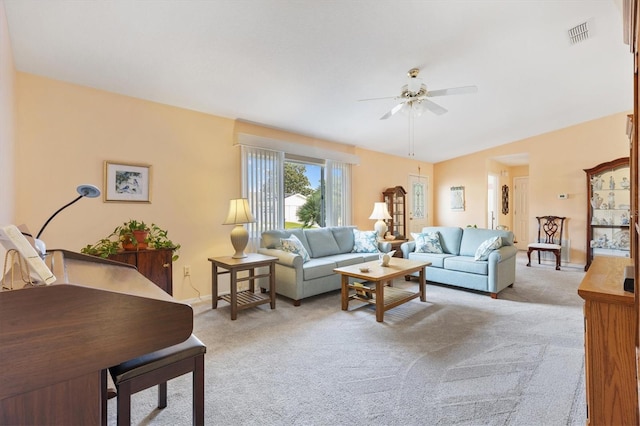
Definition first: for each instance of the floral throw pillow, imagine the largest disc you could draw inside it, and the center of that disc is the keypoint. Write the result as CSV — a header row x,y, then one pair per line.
x,y
364,242
428,242
482,253
294,245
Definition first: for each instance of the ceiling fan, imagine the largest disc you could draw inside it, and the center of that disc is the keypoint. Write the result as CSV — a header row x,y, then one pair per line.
x,y
414,96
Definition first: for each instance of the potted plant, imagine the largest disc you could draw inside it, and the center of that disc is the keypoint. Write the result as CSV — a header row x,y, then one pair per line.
x,y
132,235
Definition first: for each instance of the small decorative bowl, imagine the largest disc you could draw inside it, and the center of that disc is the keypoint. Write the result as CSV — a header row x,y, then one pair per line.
x,y
364,269
389,237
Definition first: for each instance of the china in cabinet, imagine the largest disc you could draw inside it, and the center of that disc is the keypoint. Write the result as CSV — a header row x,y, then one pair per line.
x,y
396,204
608,210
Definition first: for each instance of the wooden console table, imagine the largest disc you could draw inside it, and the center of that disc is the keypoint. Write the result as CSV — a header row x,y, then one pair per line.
x,y
609,343
248,298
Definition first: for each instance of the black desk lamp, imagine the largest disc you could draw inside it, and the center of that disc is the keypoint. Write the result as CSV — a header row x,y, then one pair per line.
x,y
86,190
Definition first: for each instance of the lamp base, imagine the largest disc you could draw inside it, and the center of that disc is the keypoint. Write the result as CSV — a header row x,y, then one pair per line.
x,y
239,240
380,228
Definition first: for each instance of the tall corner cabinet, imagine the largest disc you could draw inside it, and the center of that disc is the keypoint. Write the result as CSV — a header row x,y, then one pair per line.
x,y
395,198
608,210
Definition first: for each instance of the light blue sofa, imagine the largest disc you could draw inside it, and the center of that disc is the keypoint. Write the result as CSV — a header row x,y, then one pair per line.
x,y
329,248
457,266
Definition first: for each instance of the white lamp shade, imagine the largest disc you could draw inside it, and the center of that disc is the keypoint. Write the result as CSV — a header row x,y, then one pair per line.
x,y
239,212
380,211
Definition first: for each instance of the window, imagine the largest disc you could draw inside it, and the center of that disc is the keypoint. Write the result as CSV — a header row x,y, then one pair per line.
x,y
327,183
304,193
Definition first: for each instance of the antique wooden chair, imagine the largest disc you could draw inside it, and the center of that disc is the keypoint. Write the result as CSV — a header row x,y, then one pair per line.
x,y
550,229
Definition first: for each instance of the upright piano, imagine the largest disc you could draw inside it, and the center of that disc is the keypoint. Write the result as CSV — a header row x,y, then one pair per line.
x,y
56,340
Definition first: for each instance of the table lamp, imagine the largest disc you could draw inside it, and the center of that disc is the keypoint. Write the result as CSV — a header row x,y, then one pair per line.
x,y
380,212
239,214
85,190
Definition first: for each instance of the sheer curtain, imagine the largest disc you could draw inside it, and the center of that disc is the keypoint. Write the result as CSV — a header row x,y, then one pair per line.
x,y
338,193
263,185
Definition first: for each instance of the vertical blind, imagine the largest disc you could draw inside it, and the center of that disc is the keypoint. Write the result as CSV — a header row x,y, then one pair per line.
x,y
263,186
338,193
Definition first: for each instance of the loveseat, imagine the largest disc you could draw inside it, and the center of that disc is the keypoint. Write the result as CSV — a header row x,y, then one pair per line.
x,y
473,258
304,273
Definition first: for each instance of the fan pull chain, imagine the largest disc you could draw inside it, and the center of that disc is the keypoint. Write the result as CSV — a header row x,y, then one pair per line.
x,y
411,133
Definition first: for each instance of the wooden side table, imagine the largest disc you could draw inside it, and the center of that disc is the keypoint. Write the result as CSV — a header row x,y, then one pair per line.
x,y
248,298
395,245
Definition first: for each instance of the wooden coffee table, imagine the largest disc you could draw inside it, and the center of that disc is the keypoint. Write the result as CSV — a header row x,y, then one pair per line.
x,y
382,296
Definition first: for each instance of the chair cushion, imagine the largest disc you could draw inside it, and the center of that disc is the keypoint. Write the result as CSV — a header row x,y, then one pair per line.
x,y
321,242
344,237
158,359
545,246
318,268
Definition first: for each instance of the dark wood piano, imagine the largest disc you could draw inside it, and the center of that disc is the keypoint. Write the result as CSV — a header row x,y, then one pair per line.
x,y
55,340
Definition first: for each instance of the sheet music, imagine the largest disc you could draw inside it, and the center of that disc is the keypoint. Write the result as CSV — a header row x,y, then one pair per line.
x,y
12,238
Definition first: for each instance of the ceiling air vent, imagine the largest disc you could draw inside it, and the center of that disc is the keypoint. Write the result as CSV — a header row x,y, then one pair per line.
x,y
579,33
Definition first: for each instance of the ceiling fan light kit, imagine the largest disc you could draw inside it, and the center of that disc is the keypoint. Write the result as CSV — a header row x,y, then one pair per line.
x,y
414,100
414,96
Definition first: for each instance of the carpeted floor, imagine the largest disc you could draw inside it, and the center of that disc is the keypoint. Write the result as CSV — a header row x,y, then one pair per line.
x,y
461,358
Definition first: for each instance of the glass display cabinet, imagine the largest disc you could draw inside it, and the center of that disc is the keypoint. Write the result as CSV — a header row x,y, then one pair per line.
x,y
396,204
609,210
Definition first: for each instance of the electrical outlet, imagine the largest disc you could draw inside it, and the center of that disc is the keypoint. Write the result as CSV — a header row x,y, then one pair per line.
x,y
187,271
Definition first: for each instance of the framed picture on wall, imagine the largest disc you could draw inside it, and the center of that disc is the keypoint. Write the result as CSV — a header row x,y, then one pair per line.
x,y
126,182
457,198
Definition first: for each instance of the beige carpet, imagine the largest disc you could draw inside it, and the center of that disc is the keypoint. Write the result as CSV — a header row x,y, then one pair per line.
x,y
461,358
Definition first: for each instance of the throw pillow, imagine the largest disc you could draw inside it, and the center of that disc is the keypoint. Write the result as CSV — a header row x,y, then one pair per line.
x,y
428,242
482,253
294,245
364,242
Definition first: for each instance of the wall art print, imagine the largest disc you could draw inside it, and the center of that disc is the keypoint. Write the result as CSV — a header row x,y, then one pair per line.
x,y
457,198
126,182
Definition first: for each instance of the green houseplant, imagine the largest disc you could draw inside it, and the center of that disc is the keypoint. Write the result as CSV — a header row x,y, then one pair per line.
x,y
132,235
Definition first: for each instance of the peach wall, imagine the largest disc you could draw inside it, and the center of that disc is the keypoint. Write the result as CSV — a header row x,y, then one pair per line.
x,y
7,122
67,131
378,172
556,165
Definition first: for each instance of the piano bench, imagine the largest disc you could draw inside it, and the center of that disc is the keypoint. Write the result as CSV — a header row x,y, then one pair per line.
x,y
157,368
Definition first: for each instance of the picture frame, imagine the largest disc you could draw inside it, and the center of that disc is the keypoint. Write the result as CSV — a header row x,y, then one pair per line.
x,y
457,198
127,182
505,199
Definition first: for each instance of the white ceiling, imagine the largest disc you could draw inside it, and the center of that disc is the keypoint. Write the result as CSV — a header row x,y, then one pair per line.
x,y
302,65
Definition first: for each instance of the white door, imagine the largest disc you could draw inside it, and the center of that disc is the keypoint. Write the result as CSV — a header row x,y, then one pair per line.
x,y
521,211
417,196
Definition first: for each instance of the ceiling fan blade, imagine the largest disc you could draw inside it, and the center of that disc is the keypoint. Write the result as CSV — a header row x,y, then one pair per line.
x,y
377,99
393,110
453,91
433,107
